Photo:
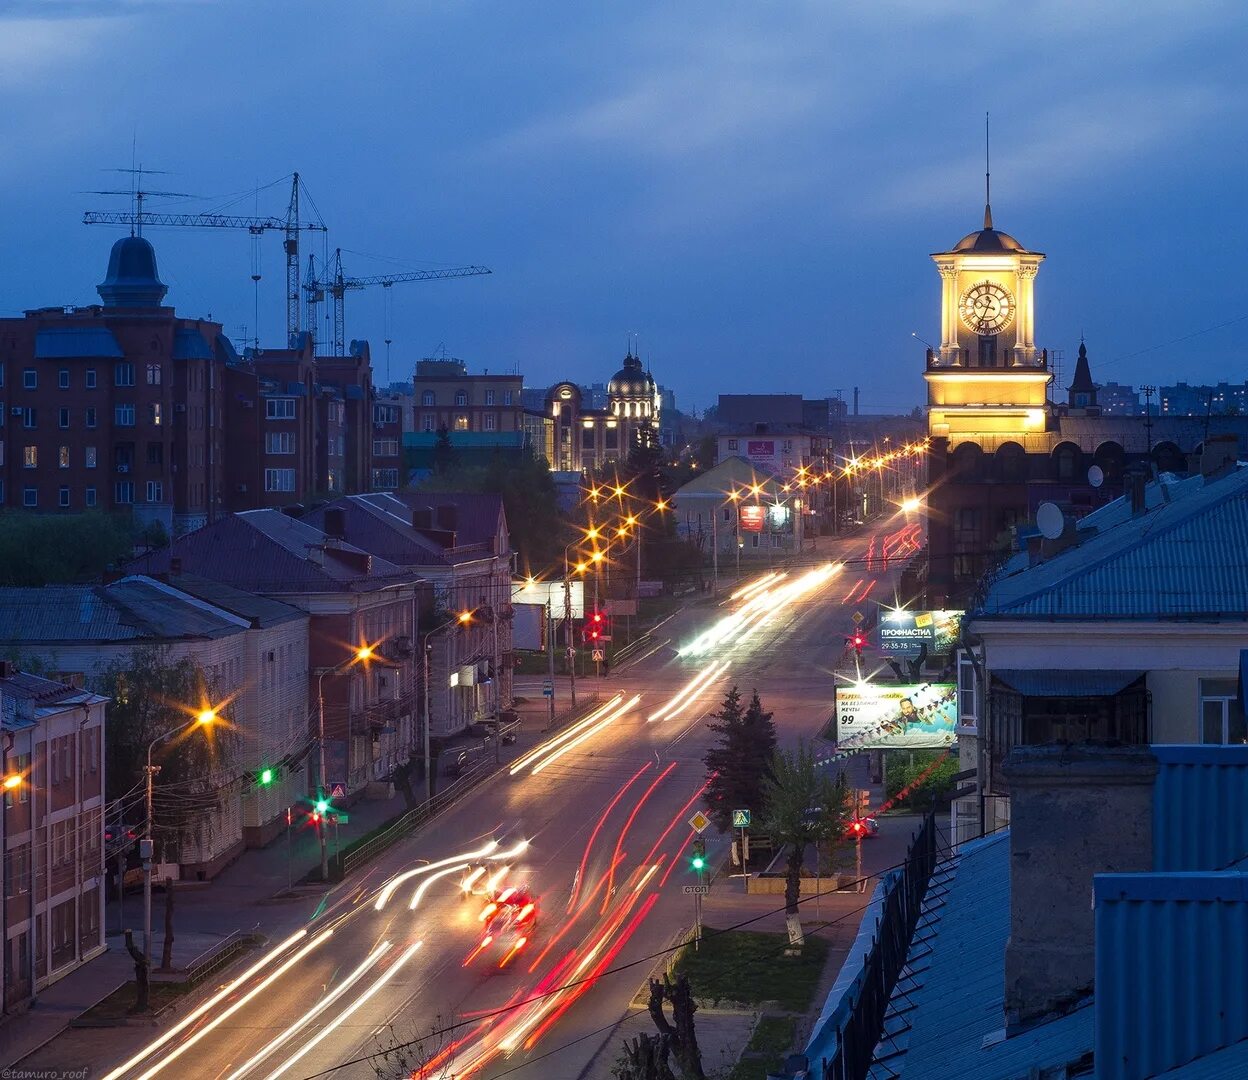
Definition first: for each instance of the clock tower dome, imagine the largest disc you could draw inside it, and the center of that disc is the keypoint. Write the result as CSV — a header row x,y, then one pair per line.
x,y
987,383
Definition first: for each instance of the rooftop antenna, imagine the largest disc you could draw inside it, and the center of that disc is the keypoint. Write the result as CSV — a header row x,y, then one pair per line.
x,y
987,178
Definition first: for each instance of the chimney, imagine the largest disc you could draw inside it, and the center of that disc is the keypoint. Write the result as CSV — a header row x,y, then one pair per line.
x,y
1219,452
1075,811
175,565
7,669
1135,483
855,401
336,522
447,516
422,517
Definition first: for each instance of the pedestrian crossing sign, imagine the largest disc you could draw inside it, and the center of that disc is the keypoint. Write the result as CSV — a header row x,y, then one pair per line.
x,y
740,819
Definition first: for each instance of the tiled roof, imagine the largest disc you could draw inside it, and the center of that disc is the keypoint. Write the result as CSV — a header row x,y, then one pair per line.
x,y
34,688
953,999
1184,556
76,342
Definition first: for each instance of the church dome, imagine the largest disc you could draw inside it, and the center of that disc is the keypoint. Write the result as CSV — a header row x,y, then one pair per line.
x,y
132,280
989,242
632,379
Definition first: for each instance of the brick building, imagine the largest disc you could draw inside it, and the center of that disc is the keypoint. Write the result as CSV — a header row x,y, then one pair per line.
x,y
52,833
448,397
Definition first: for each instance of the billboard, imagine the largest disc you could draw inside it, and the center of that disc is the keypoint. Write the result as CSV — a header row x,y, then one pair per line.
x,y
912,717
751,518
760,448
539,592
903,633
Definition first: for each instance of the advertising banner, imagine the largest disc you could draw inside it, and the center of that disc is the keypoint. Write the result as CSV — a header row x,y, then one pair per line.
x,y
760,448
752,518
538,592
911,717
903,633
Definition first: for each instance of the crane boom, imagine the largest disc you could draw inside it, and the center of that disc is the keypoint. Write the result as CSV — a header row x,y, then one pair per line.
x,y
415,275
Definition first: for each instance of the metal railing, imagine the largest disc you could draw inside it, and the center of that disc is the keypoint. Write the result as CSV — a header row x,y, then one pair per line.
x,y
860,1019
221,956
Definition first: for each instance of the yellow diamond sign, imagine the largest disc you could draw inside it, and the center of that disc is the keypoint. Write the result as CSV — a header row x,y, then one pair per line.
x,y
699,821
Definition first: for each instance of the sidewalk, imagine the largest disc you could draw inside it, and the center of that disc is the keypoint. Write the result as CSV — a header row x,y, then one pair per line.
x,y
250,894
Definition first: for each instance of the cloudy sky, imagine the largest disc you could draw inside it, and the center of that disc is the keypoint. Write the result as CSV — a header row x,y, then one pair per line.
x,y
752,188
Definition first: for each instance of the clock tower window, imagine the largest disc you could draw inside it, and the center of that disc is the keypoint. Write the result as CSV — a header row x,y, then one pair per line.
x,y
987,351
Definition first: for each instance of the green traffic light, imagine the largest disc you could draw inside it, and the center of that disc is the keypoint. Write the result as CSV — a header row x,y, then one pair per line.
x,y
698,862
266,776
322,805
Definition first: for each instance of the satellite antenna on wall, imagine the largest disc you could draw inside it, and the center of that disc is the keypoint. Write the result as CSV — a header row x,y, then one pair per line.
x,y
1050,520
1096,476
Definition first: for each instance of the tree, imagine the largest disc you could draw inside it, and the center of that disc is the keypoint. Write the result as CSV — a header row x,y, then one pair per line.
x,y
739,762
677,1034
645,1058
38,550
803,806
443,453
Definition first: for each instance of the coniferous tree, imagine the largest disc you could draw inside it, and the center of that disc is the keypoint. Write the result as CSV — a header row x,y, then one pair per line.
x,y
740,761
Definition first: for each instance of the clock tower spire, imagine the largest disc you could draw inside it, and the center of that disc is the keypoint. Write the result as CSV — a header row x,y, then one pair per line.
x,y
987,179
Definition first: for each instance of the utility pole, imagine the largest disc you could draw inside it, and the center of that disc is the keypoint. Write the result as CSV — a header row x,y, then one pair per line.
x,y
550,654
1149,391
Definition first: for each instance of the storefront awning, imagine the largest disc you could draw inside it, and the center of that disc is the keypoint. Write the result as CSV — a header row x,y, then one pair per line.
x,y
1054,682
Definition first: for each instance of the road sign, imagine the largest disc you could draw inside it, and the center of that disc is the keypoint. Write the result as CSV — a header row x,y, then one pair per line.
x,y
699,822
548,688
858,616
571,652
337,791
697,890
740,819
604,637
598,656
338,819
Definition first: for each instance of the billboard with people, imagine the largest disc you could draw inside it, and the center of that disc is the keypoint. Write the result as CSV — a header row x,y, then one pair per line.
x,y
904,633
919,716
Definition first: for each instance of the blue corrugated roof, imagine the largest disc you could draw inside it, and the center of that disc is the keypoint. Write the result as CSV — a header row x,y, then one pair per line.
x,y
1055,682
190,345
957,1000
1183,557
77,342
1200,784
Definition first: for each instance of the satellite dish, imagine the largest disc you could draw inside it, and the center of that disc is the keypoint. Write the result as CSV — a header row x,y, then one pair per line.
x,y
1096,476
1050,520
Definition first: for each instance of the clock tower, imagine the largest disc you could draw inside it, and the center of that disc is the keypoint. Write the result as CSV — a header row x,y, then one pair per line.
x,y
987,383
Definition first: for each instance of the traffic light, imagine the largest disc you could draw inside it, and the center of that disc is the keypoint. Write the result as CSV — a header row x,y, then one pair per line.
x,y
857,829
266,777
697,858
595,627
857,640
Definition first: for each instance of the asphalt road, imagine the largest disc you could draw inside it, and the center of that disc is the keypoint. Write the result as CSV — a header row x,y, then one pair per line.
x,y
594,826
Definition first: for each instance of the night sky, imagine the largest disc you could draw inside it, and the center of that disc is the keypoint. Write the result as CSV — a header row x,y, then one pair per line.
x,y
752,189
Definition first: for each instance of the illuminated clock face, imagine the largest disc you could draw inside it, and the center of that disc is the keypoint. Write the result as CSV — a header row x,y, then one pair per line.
x,y
987,308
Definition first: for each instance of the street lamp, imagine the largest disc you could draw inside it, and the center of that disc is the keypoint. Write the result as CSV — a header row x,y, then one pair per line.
x,y
362,653
203,718
462,619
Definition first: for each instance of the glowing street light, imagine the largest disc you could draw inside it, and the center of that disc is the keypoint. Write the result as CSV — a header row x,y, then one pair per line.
x,y
13,780
911,504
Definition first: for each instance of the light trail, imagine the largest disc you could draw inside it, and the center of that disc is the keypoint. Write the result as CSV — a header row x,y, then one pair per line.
x,y
695,686
388,890
313,1012
849,595
423,887
757,584
472,879
550,744
571,922
609,719
346,1014
602,820
628,825
211,1003
173,1055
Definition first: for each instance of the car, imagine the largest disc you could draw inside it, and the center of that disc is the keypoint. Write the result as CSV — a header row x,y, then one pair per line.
x,y
509,919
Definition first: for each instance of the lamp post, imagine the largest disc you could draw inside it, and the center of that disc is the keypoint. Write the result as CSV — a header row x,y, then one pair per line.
x,y
364,652
202,719
462,619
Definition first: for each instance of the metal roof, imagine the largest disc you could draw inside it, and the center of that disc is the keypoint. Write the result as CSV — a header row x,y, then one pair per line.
x,y
77,342
190,345
1184,557
1200,784
731,473
1053,682
951,995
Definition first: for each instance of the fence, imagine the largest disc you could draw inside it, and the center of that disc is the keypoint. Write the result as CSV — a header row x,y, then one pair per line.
x,y
860,1019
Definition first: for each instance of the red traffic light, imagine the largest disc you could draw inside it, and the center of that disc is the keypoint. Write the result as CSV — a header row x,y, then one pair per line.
x,y
597,616
857,828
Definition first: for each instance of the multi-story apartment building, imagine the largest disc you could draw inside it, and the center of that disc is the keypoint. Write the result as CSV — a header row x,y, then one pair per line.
x,y
448,397
117,406
389,414
353,598
52,742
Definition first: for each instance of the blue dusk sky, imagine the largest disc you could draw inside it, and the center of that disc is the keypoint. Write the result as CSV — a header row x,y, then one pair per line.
x,y
752,188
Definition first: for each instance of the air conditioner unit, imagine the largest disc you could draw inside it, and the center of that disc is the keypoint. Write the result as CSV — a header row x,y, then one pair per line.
x,y
17,410
241,489
123,467
179,408
248,403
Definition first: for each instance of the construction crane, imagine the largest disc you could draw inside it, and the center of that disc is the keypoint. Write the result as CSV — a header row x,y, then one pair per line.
x,y
338,284
137,217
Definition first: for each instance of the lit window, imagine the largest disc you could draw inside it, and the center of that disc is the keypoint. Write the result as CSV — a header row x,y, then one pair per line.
x,y
62,458
31,457
461,423
91,457
154,413
153,374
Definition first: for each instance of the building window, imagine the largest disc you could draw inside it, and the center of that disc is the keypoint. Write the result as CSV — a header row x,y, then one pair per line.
x,y
62,458
385,414
123,373
987,351
155,453
90,496
30,497
279,409
489,421
91,378
30,418
968,711
62,418
1221,719
385,478
123,415
385,447
30,379
489,397
89,416
461,423
427,398
153,413
279,479
461,397
62,378
153,374
507,397
427,421
342,446
155,491
123,492
92,458
786,447
63,497
279,442
733,445
31,457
